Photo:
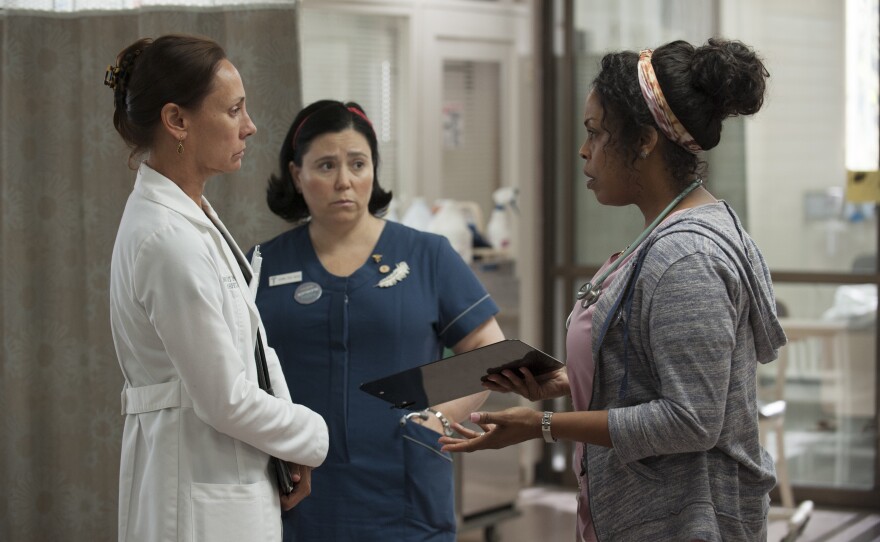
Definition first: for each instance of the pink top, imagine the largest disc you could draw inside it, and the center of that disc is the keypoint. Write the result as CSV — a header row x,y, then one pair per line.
x,y
581,368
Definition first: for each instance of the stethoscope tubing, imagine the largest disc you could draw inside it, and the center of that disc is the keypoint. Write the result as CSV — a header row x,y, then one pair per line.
x,y
589,293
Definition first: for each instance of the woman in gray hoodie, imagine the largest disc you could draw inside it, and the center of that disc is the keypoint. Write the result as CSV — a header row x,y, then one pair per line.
x,y
664,342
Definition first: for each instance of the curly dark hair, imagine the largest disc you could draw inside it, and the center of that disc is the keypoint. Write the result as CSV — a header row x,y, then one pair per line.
x,y
319,118
703,86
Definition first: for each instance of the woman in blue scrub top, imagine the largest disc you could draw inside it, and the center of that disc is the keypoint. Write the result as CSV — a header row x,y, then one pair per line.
x,y
347,297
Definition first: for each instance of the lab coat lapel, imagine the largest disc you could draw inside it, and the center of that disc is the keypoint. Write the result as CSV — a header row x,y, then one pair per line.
x,y
234,256
158,188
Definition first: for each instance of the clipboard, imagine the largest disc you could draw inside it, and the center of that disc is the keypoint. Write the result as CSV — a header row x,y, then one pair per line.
x,y
457,376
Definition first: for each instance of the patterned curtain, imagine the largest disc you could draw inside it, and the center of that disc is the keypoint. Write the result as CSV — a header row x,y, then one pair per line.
x,y
64,181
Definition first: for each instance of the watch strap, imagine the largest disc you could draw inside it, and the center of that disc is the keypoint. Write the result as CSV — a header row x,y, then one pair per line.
x,y
545,426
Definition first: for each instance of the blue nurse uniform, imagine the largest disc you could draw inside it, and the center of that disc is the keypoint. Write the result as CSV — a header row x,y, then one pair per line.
x,y
381,481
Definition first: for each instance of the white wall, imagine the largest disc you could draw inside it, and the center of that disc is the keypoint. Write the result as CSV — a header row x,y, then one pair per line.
x,y
796,143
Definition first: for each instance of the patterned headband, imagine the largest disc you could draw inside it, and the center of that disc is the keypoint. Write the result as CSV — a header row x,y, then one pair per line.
x,y
352,109
660,110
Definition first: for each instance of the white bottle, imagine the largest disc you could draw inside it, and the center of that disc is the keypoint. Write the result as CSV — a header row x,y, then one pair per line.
x,y
450,222
418,215
391,213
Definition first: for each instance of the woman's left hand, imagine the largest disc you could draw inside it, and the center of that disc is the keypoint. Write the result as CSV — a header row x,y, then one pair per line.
x,y
301,476
546,386
500,430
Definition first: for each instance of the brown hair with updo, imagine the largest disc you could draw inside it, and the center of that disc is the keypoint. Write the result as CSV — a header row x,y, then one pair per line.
x,y
703,86
174,68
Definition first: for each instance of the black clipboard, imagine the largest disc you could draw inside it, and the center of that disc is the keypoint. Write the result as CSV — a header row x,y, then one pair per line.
x,y
457,376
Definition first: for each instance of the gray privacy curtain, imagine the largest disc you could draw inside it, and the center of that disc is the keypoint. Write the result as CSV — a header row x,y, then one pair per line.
x,y
64,180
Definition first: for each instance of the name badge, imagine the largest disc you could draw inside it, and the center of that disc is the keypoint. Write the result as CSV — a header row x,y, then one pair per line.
x,y
286,278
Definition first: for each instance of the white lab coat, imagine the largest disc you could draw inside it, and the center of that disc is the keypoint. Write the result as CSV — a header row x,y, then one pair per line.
x,y
198,429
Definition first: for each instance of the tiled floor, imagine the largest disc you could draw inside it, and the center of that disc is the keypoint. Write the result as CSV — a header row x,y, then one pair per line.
x,y
548,515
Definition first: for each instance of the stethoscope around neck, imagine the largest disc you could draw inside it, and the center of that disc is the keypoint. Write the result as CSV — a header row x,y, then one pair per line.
x,y
589,293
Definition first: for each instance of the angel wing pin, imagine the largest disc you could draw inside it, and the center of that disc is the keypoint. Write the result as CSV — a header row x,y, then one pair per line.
x,y
401,270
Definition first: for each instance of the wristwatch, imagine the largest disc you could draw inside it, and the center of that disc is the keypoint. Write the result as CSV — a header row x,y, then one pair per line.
x,y
545,427
447,428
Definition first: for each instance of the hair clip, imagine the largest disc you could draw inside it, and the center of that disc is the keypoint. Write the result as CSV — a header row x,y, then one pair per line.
x,y
111,77
116,77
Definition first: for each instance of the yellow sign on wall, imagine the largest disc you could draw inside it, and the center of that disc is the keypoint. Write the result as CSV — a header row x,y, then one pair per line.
x,y
863,186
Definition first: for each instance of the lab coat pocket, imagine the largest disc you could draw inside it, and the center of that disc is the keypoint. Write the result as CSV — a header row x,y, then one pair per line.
x,y
429,478
228,512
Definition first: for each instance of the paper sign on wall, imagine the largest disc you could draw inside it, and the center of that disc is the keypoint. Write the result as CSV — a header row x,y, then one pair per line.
x,y
863,186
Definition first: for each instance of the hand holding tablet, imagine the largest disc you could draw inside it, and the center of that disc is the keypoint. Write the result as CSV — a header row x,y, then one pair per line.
x,y
458,376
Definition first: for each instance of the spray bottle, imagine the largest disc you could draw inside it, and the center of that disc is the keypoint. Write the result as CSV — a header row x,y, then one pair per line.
x,y
418,216
502,222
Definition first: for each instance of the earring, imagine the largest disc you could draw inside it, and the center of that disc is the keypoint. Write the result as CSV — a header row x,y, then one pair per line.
x,y
643,155
180,146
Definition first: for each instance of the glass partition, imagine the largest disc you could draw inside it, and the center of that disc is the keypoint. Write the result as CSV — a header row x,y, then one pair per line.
x,y
829,373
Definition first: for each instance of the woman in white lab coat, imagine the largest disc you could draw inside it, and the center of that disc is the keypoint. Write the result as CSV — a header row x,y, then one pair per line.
x,y
199,430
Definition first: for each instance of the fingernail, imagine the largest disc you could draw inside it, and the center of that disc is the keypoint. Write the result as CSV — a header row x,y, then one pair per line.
x,y
475,417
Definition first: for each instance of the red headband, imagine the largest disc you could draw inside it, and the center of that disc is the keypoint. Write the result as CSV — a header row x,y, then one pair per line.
x,y
352,109
361,114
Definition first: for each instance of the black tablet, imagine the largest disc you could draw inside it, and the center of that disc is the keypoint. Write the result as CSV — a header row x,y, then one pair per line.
x,y
457,376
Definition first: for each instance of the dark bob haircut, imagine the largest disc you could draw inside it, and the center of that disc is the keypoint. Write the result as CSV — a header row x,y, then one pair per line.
x,y
317,119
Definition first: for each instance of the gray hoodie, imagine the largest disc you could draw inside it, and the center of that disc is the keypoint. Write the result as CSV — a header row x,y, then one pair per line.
x,y
677,339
